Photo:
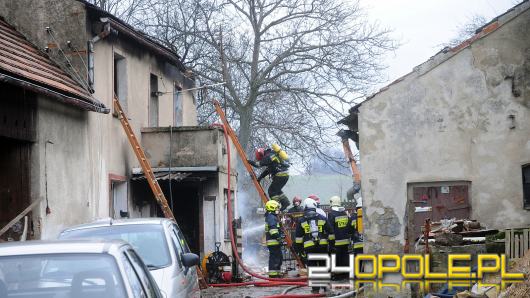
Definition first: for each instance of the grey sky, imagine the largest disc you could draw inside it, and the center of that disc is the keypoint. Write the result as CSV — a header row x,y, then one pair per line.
x,y
423,25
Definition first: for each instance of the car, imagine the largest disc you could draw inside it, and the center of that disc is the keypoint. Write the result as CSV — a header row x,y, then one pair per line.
x,y
159,242
80,269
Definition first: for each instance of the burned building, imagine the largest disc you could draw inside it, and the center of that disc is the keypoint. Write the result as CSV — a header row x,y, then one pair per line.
x,y
82,162
451,138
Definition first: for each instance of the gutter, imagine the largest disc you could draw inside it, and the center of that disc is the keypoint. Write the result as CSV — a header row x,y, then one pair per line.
x,y
85,104
145,41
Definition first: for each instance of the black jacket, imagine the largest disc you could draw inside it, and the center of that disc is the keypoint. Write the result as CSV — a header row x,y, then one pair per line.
x,y
273,163
272,229
305,239
342,226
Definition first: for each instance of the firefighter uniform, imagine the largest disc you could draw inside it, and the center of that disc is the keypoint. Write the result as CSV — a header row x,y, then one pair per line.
x,y
277,166
274,241
357,238
313,236
342,233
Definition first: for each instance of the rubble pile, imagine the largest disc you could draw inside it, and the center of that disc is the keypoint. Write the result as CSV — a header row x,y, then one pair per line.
x,y
450,232
519,290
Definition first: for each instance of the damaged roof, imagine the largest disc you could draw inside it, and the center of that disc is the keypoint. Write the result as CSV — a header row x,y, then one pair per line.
x,y
446,53
136,35
22,64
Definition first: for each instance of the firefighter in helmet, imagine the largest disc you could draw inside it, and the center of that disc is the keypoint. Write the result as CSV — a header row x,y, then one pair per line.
x,y
343,231
312,234
273,237
277,165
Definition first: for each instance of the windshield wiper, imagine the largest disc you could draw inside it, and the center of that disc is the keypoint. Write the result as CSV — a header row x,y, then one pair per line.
x,y
153,267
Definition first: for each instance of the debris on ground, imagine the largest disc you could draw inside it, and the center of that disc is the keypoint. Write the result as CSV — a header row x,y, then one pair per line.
x,y
522,289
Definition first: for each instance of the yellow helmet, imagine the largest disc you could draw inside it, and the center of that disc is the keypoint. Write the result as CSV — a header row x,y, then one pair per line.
x,y
276,147
283,155
272,205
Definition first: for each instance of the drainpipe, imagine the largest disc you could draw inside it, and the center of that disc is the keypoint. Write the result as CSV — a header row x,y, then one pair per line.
x,y
106,31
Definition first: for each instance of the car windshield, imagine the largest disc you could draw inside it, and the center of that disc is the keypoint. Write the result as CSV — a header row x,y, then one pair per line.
x,y
60,275
148,240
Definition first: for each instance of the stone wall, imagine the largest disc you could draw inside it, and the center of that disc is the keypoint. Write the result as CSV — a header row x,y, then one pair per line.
x,y
461,116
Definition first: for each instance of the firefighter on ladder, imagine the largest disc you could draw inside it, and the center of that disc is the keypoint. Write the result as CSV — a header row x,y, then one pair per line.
x,y
273,237
276,162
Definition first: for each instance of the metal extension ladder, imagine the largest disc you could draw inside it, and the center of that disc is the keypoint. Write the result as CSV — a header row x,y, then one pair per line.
x,y
148,172
250,170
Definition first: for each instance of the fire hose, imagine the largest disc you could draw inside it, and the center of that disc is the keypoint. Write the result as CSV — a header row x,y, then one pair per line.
x,y
272,281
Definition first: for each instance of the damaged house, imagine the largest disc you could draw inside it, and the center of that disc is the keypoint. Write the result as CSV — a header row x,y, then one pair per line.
x,y
61,62
451,139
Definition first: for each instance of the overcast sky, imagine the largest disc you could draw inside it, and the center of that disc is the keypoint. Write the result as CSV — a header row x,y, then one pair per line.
x,y
422,25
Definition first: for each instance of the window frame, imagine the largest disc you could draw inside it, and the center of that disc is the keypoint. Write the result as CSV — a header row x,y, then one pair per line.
x,y
526,185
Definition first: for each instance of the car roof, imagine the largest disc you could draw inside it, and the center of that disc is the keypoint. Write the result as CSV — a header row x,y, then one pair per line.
x,y
59,246
107,222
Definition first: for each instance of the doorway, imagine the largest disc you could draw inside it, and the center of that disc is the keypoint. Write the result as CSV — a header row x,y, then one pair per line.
x,y
436,201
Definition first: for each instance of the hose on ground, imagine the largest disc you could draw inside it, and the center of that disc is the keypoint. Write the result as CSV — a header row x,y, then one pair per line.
x,y
260,284
289,289
230,226
295,296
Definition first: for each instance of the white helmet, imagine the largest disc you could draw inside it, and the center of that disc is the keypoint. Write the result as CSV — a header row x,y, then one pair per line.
x,y
334,201
310,203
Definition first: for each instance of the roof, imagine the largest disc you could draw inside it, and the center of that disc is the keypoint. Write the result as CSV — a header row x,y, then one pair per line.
x,y
22,64
136,35
58,246
105,222
448,52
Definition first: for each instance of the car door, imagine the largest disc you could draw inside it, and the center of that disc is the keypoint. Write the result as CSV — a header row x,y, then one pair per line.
x,y
189,279
142,283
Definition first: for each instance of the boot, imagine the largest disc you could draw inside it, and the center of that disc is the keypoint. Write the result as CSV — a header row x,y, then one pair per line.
x,y
284,201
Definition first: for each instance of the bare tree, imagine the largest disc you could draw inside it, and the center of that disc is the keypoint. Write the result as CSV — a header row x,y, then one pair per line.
x,y
466,30
291,68
127,10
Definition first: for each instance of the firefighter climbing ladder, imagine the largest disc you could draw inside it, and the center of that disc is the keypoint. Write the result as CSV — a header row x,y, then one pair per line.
x,y
243,156
148,172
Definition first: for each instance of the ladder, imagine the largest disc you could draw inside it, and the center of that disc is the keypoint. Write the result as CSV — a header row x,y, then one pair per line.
x,y
250,170
148,172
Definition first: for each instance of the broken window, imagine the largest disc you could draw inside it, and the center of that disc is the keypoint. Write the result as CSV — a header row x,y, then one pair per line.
x,y
526,186
153,101
120,80
177,106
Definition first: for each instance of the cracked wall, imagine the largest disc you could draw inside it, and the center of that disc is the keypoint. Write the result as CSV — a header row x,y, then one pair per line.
x,y
449,120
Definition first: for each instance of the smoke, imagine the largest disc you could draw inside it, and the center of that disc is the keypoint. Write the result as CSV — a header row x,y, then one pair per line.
x,y
255,254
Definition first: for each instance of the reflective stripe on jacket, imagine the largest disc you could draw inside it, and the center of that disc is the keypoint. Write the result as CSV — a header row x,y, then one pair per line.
x,y
307,239
272,229
342,226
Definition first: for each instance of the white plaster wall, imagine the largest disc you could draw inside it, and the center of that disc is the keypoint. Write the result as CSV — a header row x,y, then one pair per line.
x,y
67,167
450,123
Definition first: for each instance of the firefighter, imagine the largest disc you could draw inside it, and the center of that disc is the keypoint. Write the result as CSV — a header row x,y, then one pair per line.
x,y
357,237
312,235
297,206
340,221
277,165
317,200
273,237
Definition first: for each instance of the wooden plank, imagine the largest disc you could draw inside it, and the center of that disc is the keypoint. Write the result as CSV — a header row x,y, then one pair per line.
x,y
507,244
19,216
526,236
516,245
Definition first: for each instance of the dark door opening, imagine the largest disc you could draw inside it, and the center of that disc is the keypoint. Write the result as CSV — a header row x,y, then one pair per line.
x,y
187,207
14,183
186,210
